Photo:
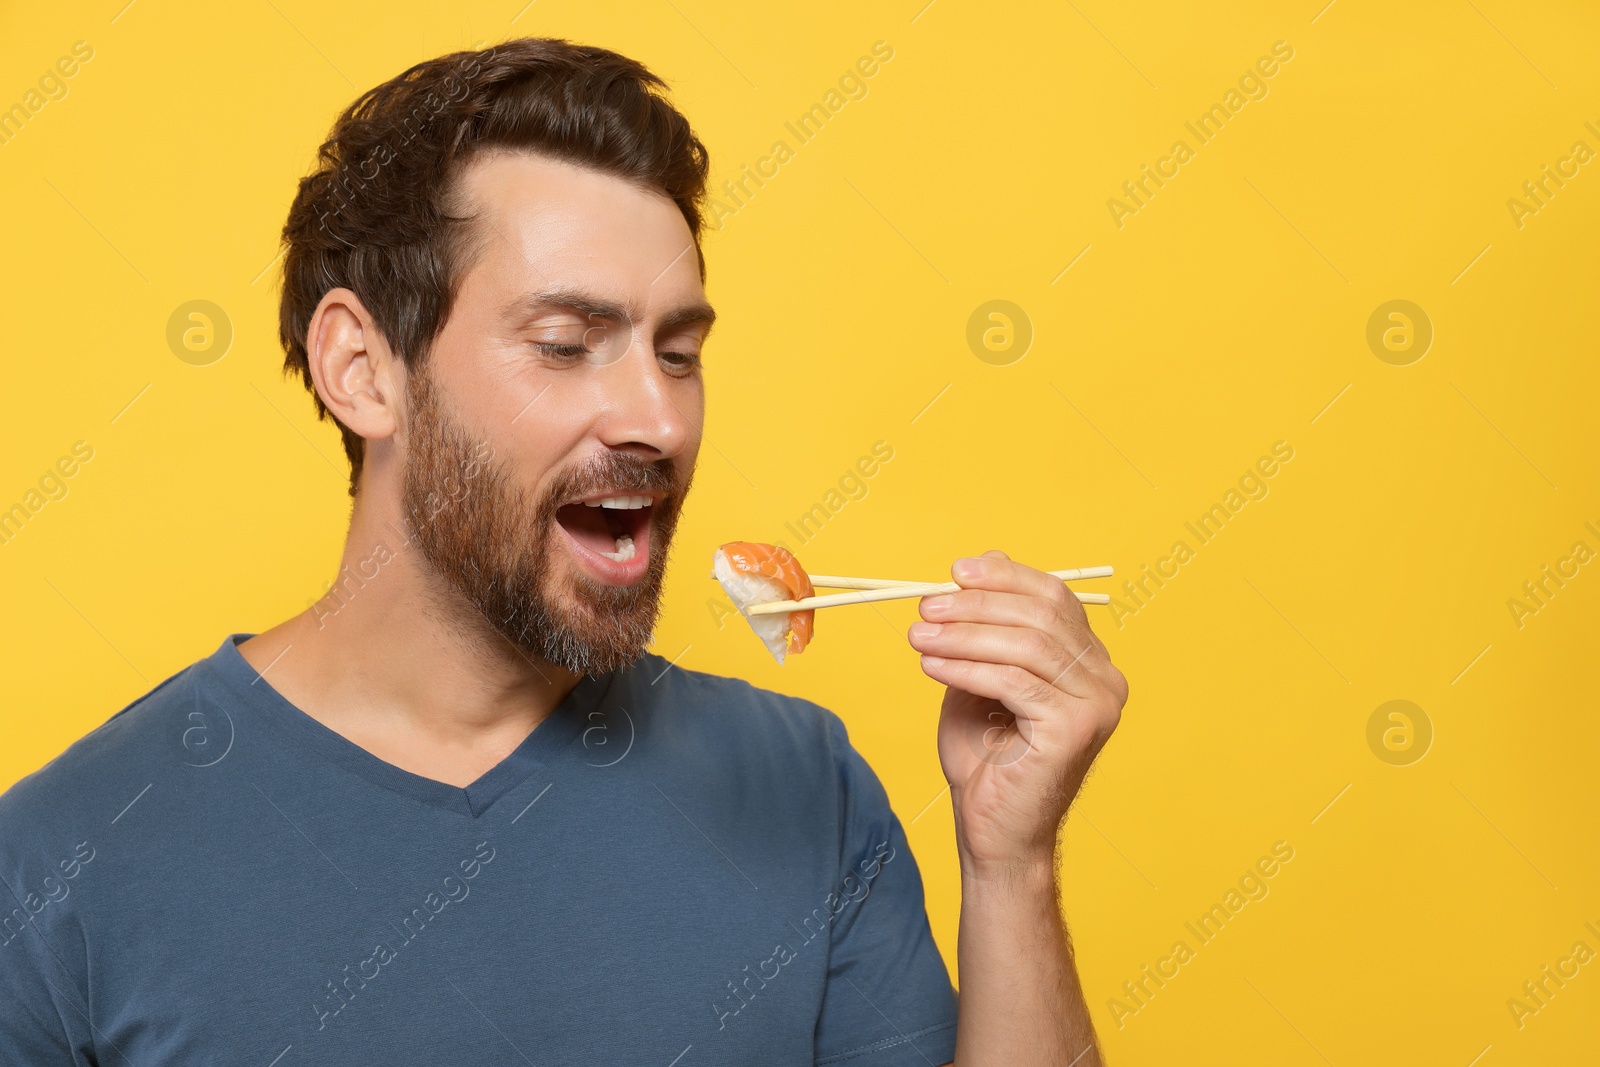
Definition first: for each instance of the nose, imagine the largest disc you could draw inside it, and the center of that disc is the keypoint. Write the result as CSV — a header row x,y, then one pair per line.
x,y
645,410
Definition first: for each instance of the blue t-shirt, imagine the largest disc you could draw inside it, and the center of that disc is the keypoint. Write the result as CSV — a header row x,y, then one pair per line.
x,y
674,868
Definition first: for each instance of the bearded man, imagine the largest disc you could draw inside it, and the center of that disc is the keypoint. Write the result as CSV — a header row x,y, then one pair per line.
x,y
456,812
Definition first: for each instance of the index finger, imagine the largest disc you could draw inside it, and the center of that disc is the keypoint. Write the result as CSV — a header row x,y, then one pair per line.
x,y
996,571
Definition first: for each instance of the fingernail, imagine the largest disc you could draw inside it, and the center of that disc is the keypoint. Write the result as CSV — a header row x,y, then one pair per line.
x,y
967,567
936,604
924,630
933,661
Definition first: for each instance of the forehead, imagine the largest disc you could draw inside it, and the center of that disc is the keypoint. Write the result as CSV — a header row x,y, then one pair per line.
x,y
542,222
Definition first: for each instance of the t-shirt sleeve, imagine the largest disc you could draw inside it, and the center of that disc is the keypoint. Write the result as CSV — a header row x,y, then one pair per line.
x,y
888,1000
39,1024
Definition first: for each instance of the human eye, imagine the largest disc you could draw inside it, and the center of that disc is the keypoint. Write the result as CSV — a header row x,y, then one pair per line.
x,y
680,363
569,339
680,350
561,351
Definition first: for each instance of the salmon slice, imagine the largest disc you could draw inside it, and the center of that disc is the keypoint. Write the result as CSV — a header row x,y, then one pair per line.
x,y
753,573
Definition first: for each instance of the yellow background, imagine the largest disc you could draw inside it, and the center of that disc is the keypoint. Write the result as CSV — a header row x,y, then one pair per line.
x,y
1229,313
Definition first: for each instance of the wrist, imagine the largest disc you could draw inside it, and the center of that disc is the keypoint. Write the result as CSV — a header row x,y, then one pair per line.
x,y
1021,873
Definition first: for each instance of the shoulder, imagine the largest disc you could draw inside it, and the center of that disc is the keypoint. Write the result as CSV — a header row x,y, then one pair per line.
x,y
735,719
86,783
720,701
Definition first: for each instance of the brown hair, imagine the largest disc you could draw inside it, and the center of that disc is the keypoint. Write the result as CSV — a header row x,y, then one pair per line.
x,y
378,214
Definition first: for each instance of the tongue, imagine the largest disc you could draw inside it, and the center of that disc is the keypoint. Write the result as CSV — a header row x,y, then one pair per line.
x,y
594,528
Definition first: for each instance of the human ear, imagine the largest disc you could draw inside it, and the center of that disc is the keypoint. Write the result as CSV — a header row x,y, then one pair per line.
x,y
356,374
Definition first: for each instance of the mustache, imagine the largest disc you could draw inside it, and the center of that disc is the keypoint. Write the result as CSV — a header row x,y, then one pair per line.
x,y
615,470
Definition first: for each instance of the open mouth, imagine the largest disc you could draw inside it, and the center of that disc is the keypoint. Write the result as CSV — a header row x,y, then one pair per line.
x,y
615,527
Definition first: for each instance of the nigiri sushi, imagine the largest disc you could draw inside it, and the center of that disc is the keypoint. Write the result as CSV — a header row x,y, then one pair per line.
x,y
752,573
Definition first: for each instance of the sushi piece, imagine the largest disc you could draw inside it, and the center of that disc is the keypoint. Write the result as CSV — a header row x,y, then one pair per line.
x,y
752,573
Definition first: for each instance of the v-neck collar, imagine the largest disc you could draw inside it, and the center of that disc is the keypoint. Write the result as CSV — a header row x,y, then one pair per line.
x,y
555,733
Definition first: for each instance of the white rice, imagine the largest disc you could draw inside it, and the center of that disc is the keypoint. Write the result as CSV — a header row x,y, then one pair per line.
x,y
748,590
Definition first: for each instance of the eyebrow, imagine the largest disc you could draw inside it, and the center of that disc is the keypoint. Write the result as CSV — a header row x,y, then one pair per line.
x,y
528,305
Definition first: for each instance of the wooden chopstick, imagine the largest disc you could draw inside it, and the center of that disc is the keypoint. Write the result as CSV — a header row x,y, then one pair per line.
x,y
903,590
868,596
833,581
830,581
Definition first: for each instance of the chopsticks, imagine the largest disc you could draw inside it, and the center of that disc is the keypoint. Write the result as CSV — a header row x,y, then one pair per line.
x,y
830,581
869,590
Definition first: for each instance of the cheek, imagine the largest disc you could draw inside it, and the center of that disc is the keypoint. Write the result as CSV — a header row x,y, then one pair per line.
x,y
693,404
540,439
687,459
696,438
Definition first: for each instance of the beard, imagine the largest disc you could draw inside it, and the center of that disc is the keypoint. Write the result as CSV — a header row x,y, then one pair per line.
x,y
495,545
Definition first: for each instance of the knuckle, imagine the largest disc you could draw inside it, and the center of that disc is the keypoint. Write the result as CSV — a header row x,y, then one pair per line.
x,y
1039,646
1113,713
1108,725
1085,735
1028,686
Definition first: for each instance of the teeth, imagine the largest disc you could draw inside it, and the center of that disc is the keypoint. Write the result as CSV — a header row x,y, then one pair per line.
x,y
624,550
620,503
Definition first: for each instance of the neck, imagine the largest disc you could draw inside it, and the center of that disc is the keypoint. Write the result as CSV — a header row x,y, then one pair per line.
x,y
395,660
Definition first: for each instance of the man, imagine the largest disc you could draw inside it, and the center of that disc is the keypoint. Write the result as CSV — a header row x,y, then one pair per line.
x,y
456,813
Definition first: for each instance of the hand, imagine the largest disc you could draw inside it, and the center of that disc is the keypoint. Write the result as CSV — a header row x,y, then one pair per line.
x,y
1032,697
